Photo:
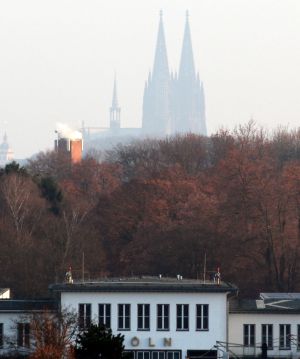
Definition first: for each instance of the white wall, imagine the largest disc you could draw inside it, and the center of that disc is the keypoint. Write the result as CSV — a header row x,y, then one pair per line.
x,y
236,322
10,321
192,339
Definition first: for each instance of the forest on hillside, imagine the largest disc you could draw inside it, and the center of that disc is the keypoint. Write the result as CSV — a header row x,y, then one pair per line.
x,y
157,207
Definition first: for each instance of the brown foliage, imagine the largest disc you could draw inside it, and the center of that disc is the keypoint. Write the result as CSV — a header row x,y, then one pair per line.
x,y
160,206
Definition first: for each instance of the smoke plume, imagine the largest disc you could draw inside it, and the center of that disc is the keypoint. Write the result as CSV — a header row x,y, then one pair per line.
x,y
64,131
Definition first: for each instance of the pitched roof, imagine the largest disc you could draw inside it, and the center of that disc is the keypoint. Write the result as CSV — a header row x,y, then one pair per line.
x,y
265,306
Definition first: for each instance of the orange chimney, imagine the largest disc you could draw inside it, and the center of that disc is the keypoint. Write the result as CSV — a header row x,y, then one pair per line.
x,y
72,148
76,150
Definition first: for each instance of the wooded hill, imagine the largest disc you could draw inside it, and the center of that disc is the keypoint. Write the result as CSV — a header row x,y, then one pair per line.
x,y
157,207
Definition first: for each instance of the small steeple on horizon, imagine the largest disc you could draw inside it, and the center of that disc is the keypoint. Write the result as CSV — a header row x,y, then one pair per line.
x,y
115,103
115,109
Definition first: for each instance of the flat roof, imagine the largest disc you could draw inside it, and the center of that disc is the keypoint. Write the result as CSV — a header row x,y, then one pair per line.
x,y
145,284
27,305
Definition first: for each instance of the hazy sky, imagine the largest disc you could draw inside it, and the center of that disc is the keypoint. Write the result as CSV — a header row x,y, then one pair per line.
x,y
58,57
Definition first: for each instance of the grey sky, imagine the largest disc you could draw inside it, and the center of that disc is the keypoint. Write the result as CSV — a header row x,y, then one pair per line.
x,y
58,58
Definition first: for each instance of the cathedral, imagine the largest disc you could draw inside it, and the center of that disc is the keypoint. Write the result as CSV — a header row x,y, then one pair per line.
x,y
173,102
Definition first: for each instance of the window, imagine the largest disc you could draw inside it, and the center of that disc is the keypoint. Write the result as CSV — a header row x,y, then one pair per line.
x,y
267,335
23,335
158,355
1,335
85,311
143,355
163,321
285,336
104,315
124,317
173,355
202,317
298,337
182,317
249,335
143,316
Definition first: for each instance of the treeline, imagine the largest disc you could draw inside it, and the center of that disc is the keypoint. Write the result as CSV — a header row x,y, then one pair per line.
x,y
158,207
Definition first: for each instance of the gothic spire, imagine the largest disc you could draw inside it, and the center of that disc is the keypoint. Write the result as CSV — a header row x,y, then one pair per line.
x,y
160,67
115,103
115,109
187,67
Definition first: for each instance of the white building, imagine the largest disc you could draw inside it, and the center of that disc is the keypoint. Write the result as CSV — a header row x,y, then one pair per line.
x,y
161,318
15,316
274,319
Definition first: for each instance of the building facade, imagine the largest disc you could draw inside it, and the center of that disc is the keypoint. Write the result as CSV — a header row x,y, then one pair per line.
x,y
273,319
15,331
166,318
160,318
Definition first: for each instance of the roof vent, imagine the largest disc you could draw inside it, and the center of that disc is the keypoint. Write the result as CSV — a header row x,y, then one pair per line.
x,y
260,304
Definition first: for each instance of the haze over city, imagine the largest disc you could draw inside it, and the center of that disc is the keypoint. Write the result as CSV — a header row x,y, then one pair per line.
x,y
58,60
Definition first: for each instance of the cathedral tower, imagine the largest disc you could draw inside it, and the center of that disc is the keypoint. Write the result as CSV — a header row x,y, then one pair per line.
x,y
156,104
174,103
188,100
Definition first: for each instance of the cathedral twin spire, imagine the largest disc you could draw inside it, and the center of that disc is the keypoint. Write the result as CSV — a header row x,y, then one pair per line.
x,y
173,105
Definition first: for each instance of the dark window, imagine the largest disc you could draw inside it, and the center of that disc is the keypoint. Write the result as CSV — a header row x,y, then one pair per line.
x,y
173,355
267,335
85,312
104,315
163,320
23,335
285,336
158,355
143,355
124,317
249,335
143,316
182,317
202,317
1,335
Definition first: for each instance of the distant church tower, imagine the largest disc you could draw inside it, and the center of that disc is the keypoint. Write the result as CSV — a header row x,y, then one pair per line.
x,y
115,110
156,104
174,104
6,153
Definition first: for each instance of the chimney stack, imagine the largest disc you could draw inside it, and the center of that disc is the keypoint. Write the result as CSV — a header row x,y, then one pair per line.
x,y
69,142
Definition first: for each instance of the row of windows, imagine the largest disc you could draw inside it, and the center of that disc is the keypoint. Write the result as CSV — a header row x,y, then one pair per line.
x,y
267,336
23,335
153,354
143,316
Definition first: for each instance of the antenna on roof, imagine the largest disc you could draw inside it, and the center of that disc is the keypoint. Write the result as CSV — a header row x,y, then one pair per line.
x,y
204,268
83,267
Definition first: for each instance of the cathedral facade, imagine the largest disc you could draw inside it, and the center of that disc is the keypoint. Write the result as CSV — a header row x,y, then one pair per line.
x,y
173,103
